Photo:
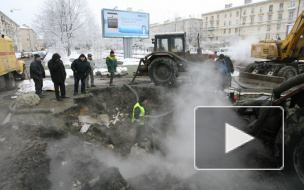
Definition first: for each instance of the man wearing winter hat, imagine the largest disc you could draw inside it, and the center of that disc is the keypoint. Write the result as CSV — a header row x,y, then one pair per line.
x,y
81,67
58,75
112,64
37,74
91,74
139,111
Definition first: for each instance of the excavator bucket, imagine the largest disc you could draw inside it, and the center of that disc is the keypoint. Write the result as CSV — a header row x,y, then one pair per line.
x,y
257,81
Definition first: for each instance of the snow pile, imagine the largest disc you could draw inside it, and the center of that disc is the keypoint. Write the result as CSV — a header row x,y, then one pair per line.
x,y
27,86
119,70
69,73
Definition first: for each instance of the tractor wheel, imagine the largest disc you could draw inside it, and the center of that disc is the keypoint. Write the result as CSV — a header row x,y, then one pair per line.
x,y
293,148
163,71
287,72
10,81
250,68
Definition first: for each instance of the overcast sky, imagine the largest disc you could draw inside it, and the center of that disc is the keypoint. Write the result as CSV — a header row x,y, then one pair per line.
x,y
160,10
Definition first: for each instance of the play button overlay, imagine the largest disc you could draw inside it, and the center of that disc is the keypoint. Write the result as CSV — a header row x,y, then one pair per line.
x,y
235,138
222,142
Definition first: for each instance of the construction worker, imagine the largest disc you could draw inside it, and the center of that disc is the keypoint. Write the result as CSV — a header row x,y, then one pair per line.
x,y
225,66
139,111
37,74
111,62
91,74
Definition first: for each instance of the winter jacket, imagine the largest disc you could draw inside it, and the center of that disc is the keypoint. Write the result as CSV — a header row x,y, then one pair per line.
x,y
80,68
111,63
92,63
228,62
36,70
57,70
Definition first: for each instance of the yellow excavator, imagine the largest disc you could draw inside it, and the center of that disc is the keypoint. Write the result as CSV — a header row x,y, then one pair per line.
x,y
282,59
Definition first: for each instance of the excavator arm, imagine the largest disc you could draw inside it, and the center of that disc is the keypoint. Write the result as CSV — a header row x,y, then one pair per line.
x,y
291,46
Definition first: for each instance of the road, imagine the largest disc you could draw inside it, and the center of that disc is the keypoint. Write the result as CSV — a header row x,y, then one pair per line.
x,y
6,97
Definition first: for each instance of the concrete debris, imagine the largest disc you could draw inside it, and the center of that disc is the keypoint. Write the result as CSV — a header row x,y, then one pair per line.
x,y
88,119
111,146
115,118
64,163
139,152
85,128
2,139
75,124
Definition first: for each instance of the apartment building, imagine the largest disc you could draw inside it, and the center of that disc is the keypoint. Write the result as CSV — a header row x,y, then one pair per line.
x,y
192,26
29,39
11,29
269,19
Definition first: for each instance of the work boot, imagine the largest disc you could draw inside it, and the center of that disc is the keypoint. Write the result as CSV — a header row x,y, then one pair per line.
x,y
75,93
64,97
84,92
40,95
88,86
59,99
93,85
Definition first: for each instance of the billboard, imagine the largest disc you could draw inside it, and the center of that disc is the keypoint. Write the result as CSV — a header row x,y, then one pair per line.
x,y
125,24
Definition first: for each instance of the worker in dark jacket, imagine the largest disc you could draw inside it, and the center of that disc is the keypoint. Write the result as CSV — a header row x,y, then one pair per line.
x,y
139,111
224,65
81,67
112,64
37,74
58,75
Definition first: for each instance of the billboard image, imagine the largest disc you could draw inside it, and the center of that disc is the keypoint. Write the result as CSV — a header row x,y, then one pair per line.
x,y
117,23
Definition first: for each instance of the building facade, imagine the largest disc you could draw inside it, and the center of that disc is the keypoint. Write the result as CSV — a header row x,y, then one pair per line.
x,y
192,26
263,20
29,39
9,28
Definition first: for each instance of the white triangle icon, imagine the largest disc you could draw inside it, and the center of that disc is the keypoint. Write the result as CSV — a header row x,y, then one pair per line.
x,y
235,138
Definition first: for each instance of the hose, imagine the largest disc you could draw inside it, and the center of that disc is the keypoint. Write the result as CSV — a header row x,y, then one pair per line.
x,y
297,80
140,61
129,87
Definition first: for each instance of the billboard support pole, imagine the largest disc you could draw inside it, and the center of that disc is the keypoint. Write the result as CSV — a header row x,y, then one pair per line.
x,y
127,46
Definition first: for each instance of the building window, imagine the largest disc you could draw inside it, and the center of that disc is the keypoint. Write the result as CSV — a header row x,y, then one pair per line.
x,y
278,36
217,23
261,9
270,8
268,27
267,36
244,20
259,28
260,18
237,22
211,18
269,17
238,13
229,31
251,29
218,17
252,11
225,23
206,19
216,38
278,26
281,6
292,3
290,14
252,20
225,15
224,31
236,30
280,16
243,29
230,22
230,14
303,3
245,11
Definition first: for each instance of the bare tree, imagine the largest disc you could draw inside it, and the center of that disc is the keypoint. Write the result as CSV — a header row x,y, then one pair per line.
x,y
61,21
